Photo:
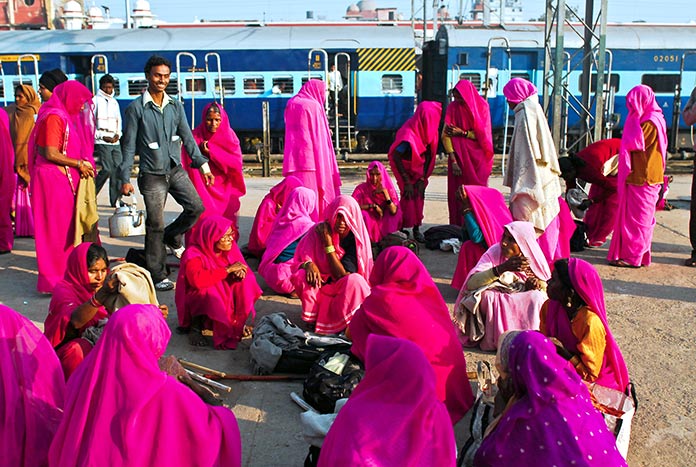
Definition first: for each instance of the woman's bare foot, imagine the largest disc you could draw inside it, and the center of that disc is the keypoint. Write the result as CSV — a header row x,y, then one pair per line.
x,y
197,339
248,330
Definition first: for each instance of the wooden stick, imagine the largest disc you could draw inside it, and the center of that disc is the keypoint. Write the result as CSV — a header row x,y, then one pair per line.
x,y
256,377
195,366
208,382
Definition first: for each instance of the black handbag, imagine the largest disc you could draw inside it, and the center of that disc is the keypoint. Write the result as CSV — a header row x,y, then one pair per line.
x,y
323,387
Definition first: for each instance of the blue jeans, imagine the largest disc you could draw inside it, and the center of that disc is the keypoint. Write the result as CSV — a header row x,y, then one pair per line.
x,y
154,189
110,158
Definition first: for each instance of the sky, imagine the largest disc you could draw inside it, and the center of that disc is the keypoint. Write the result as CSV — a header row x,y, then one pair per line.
x,y
665,11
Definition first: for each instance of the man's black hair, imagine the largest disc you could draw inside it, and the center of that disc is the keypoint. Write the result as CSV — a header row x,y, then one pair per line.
x,y
156,60
106,79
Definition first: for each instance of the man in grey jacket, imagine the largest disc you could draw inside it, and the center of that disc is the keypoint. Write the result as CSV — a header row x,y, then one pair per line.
x,y
155,129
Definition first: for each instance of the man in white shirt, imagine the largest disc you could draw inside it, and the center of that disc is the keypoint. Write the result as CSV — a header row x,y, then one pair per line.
x,y
107,149
335,85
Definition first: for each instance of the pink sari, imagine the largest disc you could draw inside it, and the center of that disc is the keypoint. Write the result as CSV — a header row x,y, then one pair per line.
x,y
475,156
309,153
508,311
552,422
635,222
228,303
122,410
53,187
333,304
421,133
294,220
492,215
221,198
588,285
267,212
7,184
378,226
555,240
70,293
32,395
405,302
393,418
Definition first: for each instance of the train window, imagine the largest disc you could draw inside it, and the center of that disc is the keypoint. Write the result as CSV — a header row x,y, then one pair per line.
x,y
593,84
475,79
2,90
198,85
253,85
228,84
520,75
29,2
117,87
392,84
305,79
172,87
665,84
136,86
463,59
284,84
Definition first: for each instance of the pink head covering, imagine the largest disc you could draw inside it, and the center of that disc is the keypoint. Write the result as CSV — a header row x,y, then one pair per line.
x,y
472,108
552,422
123,410
421,132
525,237
394,405
491,211
292,222
32,391
518,89
386,180
405,302
279,193
7,183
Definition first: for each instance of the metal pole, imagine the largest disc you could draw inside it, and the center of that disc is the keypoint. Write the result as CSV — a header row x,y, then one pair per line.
x,y
128,14
558,74
266,155
599,132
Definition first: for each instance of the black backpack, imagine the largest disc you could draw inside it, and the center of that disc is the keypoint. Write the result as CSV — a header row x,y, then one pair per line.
x,y
435,235
323,387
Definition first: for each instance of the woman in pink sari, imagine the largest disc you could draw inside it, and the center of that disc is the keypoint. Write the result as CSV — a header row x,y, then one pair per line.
x,y
309,153
33,389
61,147
485,215
641,172
266,213
219,143
394,417
468,141
412,160
7,185
334,264
575,319
122,410
549,418
215,289
293,222
379,202
505,290
405,302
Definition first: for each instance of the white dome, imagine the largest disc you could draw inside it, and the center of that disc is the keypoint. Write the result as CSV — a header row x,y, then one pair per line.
x,y
353,8
142,5
367,5
72,7
94,12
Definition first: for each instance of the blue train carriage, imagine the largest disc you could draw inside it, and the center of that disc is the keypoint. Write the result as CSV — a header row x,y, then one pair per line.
x,y
241,67
655,55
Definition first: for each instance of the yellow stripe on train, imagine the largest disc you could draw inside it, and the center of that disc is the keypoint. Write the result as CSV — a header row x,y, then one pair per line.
x,y
403,59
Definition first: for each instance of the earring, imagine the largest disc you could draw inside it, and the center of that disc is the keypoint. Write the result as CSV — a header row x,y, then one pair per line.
x,y
569,301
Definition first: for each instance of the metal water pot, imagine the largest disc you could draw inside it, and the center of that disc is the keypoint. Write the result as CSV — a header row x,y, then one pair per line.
x,y
128,220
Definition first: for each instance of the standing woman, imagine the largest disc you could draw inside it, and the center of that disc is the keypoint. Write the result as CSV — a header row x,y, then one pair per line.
x,y
219,143
468,141
22,117
61,148
641,171
7,186
412,160
379,202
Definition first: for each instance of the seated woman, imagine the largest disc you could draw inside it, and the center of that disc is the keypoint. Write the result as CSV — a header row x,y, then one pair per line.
x,y
405,302
267,212
575,319
379,202
293,222
505,290
485,215
215,289
548,418
33,388
394,417
334,263
120,386
76,304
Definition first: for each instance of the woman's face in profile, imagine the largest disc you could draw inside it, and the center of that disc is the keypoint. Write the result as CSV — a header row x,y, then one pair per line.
x,y
509,246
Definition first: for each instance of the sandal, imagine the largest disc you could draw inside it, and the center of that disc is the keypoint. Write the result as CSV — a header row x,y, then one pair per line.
x,y
247,332
690,262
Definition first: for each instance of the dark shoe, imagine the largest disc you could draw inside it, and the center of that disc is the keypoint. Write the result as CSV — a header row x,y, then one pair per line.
x,y
619,263
418,235
690,262
5,252
164,285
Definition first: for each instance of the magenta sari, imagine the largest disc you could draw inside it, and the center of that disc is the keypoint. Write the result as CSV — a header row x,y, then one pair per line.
x,y
421,133
222,197
635,220
492,215
555,240
267,212
474,156
53,188
70,293
8,181
33,389
552,422
294,220
405,302
332,305
122,410
588,285
227,303
309,153
392,419
378,226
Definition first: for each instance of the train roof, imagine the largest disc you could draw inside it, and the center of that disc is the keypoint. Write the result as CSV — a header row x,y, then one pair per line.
x,y
208,38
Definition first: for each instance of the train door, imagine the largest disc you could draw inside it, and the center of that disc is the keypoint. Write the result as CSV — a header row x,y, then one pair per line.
x,y
189,86
102,65
435,68
497,72
34,67
680,142
218,89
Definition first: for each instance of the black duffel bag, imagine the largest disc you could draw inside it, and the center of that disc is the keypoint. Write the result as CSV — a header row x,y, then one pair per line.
x,y
323,387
